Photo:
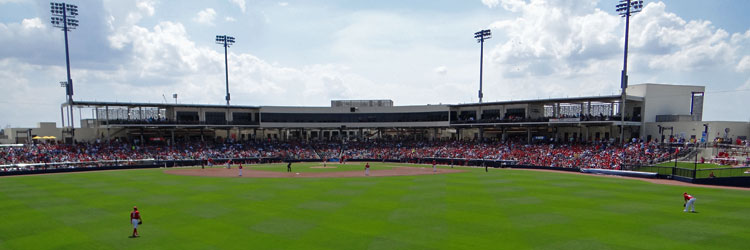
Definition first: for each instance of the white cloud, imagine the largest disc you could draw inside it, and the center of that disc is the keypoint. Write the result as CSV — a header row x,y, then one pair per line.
x,y
744,64
675,44
34,23
441,70
165,60
239,3
566,46
490,3
205,16
146,6
283,4
230,19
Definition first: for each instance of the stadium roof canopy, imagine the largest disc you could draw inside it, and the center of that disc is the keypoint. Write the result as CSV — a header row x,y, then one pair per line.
x,y
600,99
606,99
159,105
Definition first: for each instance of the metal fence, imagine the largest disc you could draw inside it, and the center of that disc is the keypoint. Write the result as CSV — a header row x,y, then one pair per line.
x,y
699,174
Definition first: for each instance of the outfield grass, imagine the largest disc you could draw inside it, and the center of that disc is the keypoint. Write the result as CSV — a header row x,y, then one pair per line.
x,y
691,165
330,167
502,209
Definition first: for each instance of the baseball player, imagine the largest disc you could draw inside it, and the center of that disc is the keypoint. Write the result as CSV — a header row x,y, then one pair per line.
x,y
135,219
434,166
289,167
367,169
689,202
240,169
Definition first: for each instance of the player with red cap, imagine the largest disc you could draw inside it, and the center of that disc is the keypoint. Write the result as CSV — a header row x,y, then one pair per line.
x,y
689,202
135,219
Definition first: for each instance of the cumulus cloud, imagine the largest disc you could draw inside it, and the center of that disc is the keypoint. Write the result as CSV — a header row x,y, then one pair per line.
x,y
568,44
744,64
146,6
283,4
230,19
165,60
441,70
490,3
205,16
239,3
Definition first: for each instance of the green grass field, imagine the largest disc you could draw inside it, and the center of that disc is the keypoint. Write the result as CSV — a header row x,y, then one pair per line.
x,y
502,209
330,167
691,165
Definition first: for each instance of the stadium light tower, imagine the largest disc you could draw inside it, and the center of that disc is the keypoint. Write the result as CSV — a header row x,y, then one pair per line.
x,y
626,8
64,17
227,41
481,36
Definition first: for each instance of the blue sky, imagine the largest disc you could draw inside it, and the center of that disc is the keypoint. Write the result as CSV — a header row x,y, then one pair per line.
x,y
413,52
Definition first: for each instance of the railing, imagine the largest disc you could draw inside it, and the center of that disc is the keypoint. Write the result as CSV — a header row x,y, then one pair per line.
x,y
697,174
178,122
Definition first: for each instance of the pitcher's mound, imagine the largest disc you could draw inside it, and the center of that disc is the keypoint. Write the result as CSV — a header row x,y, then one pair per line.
x,y
247,173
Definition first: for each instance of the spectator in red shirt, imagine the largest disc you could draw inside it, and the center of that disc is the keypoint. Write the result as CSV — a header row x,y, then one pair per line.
x,y
689,202
135,219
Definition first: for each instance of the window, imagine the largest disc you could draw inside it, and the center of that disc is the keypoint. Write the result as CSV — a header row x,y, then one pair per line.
x,y
187,117
216,118
354,117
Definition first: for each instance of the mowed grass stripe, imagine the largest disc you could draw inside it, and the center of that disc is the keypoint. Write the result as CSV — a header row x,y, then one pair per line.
x,y
472,210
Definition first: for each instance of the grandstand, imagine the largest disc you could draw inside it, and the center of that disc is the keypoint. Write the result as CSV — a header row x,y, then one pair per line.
x,y
572,119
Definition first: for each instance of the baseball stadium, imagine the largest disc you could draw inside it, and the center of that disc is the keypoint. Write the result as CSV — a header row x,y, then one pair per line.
x,y
637,170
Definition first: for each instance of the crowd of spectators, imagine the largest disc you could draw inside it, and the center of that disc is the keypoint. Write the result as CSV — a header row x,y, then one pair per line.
x,y
594,155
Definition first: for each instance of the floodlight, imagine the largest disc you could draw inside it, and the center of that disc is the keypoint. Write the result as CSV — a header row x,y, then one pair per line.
x,y
227,41
481,36
63,17
626,8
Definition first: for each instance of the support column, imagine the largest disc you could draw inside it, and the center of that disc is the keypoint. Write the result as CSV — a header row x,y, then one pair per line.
x,y
582,112
587,134
528,135
106,116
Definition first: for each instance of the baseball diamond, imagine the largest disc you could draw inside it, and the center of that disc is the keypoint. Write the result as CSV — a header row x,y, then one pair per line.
x,y
569,149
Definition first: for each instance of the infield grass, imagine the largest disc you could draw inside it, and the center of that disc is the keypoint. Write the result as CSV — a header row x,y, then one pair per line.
x,y
502,209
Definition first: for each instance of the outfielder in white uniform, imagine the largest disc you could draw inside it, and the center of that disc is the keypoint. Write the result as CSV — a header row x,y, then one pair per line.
x,y
689,202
